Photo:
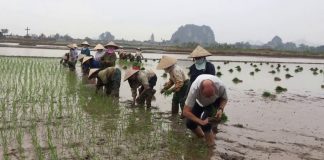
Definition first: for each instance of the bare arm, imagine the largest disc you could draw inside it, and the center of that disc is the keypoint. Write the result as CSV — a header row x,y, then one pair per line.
x,y
187,112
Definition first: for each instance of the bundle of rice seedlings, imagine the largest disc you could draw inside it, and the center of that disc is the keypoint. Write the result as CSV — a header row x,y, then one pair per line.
x,y
236,80
280,89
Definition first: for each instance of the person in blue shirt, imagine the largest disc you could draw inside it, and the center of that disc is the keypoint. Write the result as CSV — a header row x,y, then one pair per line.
x,y
88,62
85,48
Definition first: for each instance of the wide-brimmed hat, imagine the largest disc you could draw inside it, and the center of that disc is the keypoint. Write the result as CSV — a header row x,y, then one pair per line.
x,y
86,58
111,44
199,52
92,71
72,45
129,73
80,57
85,43
99,46
166,62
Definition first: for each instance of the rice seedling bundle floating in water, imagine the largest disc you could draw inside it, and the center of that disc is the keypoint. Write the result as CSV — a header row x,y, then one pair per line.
x,y
219,74
267,94
288,76
280,89
236,80
272,72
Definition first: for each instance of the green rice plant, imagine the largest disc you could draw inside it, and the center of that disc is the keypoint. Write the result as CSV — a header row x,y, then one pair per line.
x,y
277,79
322,86
251,73
236,80
315,73
272,72
167,93
255,66
219,74
287,69
267,94
124,67
230,70
280,89
238,68
218,67
321,71
288,76
271,66
257,70
164,75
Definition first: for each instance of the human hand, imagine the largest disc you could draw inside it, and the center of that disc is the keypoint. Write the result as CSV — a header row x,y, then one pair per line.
x,y
204,122
218,115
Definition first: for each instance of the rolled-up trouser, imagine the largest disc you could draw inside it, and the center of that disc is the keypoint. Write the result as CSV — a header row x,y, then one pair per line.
x,y
148,95
113,85
179,98
203,113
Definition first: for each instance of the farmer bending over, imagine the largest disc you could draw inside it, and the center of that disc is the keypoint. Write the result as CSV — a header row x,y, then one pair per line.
x,y
145,81
109,77
206,95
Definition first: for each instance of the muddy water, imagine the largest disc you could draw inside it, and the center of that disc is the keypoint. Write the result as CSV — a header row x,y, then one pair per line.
x,y
287,127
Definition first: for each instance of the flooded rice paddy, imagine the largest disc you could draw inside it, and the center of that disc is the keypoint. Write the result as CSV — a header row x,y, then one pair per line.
x,y
48,112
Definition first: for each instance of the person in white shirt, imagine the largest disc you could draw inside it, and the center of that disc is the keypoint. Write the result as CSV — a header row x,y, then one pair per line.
x,y
207,94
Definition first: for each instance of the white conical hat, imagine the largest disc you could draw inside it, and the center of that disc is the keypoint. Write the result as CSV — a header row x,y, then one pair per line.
x,y
199,52
166,62
72,45
112,44
85,43
81,56
99,46
92,71
129,73
86,58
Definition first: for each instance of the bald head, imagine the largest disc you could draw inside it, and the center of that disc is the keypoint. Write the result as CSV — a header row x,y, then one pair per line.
x,y
208,88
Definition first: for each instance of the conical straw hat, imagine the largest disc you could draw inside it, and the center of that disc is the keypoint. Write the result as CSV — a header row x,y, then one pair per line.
x,y
199,52
86,58
92,71
166,62
112,44
80,57
99,46
129,73
85,43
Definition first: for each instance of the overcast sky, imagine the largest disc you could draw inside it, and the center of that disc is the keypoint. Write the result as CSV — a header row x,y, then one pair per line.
x,y
231,20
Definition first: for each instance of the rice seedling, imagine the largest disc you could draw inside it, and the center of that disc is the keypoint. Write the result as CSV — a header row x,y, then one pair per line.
x,y
321,71
167,93
322,86
230,70
272,66
287,69
124,67
267,94
219,74
277,79
315,73
257,70
280,89
288,76
251,73
272,72
238,68
255,66
238,125
236,80
218,67
164,75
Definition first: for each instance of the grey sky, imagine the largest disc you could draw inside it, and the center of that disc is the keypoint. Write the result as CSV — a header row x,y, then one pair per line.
x,y
231,20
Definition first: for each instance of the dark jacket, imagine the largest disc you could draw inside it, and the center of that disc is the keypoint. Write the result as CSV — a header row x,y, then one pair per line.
x,y
194,73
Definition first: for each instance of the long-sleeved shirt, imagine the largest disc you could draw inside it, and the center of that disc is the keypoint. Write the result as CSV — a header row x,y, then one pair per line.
x,y
85,51
73,55
98,55
177,78
142,79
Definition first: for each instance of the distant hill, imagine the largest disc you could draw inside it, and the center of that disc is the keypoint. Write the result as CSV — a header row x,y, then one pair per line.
x,y
193,33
